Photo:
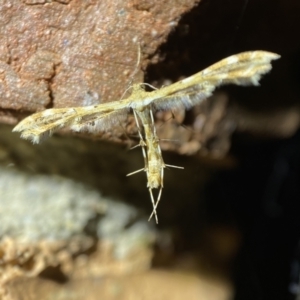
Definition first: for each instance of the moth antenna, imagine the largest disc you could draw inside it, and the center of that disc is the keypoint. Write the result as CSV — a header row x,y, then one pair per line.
x,y
135,70
150,85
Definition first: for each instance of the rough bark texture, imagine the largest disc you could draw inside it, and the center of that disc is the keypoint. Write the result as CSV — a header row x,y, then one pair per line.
x,y
76,53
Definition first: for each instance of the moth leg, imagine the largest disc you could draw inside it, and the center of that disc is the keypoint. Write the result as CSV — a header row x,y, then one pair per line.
x,y
175,167
152,122
142,142
137,171
154,205
138,145
159,195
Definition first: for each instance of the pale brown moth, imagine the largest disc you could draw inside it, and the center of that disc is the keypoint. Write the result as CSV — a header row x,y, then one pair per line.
x,y
242,69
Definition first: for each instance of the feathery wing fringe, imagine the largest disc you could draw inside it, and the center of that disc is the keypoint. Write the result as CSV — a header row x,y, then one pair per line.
x,y
42,125
245,68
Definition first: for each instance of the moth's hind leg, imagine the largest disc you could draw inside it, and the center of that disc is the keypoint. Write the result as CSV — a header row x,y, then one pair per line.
x,y
155,204
142,142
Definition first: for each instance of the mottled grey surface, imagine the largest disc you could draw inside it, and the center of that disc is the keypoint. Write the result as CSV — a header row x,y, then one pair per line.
x,y
39,207
43,207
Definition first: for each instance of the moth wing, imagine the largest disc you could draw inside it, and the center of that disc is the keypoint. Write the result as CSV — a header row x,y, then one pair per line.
x,y
100,121
41,125
185,99
245,68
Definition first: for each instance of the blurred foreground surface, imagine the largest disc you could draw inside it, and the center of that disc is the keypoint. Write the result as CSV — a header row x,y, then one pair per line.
x,y
74,227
